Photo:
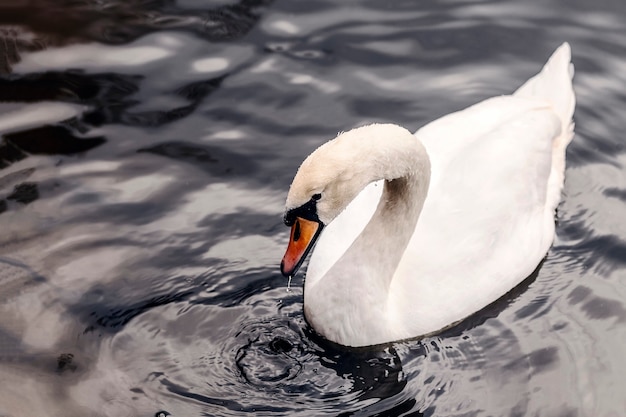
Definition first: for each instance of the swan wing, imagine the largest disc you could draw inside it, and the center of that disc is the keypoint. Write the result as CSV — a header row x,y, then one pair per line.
x,y
486,223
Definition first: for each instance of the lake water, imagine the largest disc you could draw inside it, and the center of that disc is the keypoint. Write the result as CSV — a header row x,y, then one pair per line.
x,y
146,151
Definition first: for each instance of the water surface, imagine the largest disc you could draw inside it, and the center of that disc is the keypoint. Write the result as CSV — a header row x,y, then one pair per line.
x,y
146,152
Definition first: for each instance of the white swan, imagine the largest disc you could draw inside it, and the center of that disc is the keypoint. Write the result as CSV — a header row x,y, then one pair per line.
x,y
420,231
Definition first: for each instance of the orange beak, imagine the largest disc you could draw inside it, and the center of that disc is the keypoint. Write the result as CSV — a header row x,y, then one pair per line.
x,y
304,233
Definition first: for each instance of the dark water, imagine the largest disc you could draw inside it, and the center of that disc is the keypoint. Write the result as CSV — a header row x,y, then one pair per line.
x,y
146,151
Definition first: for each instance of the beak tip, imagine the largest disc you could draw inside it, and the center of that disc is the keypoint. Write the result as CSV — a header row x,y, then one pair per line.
x,y
287,272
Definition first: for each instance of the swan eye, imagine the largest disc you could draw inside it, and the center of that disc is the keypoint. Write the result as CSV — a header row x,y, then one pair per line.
x,y
316,197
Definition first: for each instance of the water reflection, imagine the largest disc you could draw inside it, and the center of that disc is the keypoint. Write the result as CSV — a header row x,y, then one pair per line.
x,y
142,177
40,24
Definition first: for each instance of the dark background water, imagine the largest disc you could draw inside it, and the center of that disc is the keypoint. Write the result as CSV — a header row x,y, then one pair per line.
x,y
146,151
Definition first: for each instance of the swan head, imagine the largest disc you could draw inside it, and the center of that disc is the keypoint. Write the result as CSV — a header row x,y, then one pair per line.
x,y
331,177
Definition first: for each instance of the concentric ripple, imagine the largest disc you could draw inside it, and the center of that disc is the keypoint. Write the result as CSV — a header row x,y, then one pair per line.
x,y
259,355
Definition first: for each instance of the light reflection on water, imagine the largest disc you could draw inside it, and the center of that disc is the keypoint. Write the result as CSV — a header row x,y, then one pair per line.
x,y
141,188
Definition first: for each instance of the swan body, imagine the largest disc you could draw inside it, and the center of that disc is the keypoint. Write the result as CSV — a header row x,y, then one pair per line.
x,y
417,232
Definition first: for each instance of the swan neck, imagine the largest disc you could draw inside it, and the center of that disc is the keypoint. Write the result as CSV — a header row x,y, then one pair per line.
x,y
363,274
386,236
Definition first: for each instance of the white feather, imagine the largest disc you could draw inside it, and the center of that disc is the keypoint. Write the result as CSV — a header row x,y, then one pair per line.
x,y
496,173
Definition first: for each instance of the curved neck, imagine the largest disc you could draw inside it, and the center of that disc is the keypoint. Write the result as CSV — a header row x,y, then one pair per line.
x,y
382,243
359,281
386,236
